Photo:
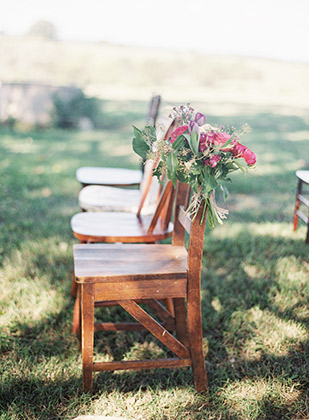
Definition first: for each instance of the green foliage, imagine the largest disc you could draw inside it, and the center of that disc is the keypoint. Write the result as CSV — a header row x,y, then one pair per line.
x,y
140,146
197,155
70,113
254,286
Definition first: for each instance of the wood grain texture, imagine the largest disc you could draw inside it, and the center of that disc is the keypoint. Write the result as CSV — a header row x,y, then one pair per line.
x,y
141,364
124,262
111,227
87,299
156,329
141,289
195,332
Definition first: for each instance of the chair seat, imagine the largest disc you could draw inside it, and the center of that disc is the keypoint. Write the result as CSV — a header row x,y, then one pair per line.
x,y
129,262
108,176
303,176
116,227
97,198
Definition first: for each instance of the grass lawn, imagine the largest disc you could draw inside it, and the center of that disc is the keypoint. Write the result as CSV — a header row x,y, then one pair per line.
x,y
254,289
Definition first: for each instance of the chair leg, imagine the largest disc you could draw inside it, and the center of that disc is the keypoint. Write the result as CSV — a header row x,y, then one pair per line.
x,y
73,285
170,306
76,324
181,320
87,298
196,342
297,204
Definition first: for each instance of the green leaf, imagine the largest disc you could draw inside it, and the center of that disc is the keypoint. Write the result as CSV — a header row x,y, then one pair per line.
x,y
241,164
210,183
227,143
140,146
179,142
172,166
172,163
152,131
225,191
194,141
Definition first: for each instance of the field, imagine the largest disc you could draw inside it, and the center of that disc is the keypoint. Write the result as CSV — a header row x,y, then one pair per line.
x,y
254,279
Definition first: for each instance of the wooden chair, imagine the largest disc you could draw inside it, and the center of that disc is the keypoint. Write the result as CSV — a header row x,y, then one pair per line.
x,y
101,198
303,180
113,227
118,177
132,273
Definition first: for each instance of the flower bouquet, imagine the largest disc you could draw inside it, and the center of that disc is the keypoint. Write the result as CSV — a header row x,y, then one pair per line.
x,y
198,154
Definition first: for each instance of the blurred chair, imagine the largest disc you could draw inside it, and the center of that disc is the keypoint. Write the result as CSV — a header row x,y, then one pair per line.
x,y
129,274
97,198
118,177
303,181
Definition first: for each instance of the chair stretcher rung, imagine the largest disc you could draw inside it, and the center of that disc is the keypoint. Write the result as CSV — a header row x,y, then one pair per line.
x,y
304,200
141,364
302,216
128,326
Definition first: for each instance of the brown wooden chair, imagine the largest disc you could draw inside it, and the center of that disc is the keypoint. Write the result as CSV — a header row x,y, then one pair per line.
x,y
132,273
303,181
111,227
125,228
118,177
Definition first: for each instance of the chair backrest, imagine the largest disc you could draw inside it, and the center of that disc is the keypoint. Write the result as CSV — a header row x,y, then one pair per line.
x,y
195,228
163,213
150,187
153,110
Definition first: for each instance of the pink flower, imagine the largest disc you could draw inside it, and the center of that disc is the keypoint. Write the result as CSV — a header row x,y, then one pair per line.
x,y
178,132
205,140
241,151
212,138
200,119
220,138
212,161
193,126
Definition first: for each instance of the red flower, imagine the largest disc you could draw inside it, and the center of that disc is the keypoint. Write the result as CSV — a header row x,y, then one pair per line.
x,y
178,132
212,161
241,151
220,138
212,138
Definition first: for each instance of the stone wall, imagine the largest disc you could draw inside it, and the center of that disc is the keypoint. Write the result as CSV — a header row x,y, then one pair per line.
x,y
32,103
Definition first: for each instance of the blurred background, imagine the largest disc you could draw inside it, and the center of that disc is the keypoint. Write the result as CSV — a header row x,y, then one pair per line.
x,y
235,57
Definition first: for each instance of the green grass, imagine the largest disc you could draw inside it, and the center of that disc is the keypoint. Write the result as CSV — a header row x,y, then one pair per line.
x,y
254,284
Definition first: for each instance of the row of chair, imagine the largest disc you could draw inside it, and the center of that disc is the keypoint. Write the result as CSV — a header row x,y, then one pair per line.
x,y
120,262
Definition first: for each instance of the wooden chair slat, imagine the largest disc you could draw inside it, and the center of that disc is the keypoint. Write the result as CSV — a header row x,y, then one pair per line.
x,y
141,364
128,326
185,220
156,329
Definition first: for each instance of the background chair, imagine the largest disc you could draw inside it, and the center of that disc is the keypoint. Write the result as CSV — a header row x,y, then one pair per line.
x,y
131,273
102,198
89,227
303,181
96,198
118,176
